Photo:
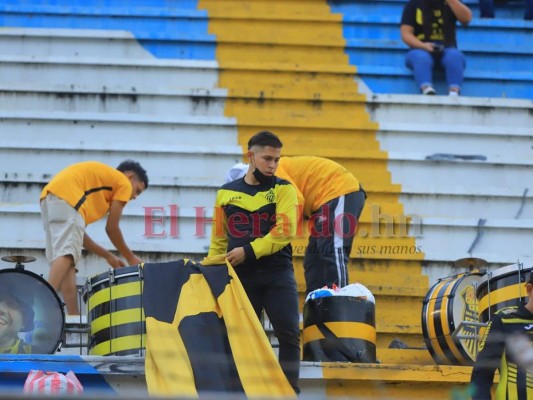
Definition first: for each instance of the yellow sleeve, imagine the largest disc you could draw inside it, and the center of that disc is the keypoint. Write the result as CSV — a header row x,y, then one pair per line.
x,y
285,228
219,235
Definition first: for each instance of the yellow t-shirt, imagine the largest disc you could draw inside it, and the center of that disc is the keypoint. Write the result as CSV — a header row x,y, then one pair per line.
x,y
317,180
90,187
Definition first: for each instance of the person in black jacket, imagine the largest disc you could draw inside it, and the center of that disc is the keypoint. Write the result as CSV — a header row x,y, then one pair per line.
x,y
516,382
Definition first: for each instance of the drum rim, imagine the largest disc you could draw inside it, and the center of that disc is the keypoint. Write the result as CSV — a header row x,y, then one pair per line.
x,y
59,302
104,276
456,277
502,273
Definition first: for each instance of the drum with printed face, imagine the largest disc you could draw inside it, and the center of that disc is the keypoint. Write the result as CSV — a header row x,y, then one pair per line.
x,y
32,318
115,312
450,302
503,287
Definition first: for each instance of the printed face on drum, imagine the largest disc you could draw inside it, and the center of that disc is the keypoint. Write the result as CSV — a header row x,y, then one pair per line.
x,y
11,320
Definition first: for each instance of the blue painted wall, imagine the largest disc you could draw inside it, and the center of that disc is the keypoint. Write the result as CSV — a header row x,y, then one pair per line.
x,y
166,28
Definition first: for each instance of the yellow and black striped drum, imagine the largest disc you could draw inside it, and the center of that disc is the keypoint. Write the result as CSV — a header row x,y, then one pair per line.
x,y
449,302
339,328
503,287
115,312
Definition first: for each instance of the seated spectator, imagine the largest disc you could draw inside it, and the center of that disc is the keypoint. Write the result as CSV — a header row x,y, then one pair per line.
x,y
486,9
428,28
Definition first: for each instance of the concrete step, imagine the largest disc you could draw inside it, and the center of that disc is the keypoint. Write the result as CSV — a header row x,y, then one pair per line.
x,y
162,192
461,140
137,74
494,114
75,43
443,239
317,380
379,26
420,201
478,83
197,163
387,381
72,129
97,99
508,9
404,356
401,285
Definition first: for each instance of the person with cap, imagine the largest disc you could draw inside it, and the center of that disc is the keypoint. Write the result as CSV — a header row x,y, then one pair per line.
x,y
15,316
77,196
332,199
494,353
254,223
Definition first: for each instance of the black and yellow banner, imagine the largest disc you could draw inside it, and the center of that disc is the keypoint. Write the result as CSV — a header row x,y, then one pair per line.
x,y
202,334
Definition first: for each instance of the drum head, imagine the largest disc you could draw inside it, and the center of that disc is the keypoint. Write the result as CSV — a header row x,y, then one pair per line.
x,y
32,318
450,304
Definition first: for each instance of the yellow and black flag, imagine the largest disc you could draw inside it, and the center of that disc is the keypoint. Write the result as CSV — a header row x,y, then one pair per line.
x,y
202,334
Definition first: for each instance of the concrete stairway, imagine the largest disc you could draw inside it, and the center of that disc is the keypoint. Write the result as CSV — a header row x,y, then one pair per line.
x,y
450,162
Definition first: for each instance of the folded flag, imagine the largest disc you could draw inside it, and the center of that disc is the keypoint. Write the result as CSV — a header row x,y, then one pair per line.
x,y
202,334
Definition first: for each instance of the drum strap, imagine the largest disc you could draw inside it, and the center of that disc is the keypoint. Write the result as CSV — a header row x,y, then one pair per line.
x,y
328,334
88,192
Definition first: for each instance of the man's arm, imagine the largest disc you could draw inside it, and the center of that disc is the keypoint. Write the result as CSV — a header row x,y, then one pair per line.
x,y
488,359
92,246
219,234
409,38
461,11
112,229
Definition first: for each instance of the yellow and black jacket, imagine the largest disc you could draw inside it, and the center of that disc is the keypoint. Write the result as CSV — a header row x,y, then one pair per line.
x,y
515,381
259,218
202,334
19,347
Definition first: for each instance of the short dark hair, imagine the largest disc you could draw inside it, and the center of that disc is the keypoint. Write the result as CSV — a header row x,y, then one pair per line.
x,y
265,138
530,278
14,301
134,166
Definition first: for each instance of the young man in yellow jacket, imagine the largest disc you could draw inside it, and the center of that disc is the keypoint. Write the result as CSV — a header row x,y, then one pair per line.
x,y
332,199
254,222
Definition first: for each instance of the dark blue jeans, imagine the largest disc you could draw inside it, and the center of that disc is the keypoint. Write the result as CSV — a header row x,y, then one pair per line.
x,y
486,9
275,291
422,62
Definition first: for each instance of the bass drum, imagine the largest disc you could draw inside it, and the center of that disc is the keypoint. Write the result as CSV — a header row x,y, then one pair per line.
x,y
31,310
501,288
115,312
449,302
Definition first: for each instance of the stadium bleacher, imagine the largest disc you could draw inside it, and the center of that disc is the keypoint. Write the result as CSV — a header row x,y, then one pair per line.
x,y
181,85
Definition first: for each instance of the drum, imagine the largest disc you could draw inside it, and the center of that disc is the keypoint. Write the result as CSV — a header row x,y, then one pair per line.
x,y
115,312
32,318
449,302
339,328
503,287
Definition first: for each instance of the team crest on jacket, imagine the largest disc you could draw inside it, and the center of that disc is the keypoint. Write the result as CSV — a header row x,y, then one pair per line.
x,y
270,196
